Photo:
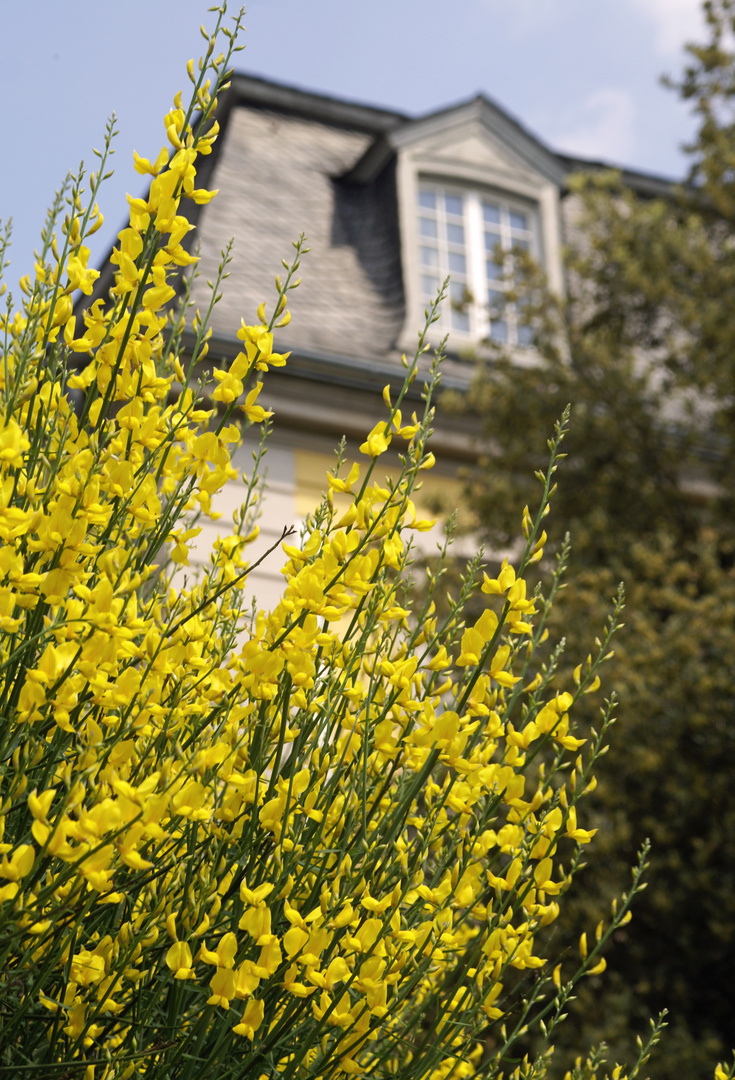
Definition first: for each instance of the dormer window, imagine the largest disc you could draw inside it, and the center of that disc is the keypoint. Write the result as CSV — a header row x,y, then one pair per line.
x,y
470,236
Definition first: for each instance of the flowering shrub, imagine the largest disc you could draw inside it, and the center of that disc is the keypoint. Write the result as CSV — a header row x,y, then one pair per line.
x,y
321,840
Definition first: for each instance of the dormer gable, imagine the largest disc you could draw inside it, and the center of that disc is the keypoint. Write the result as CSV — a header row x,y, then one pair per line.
x,y
475,132
503,177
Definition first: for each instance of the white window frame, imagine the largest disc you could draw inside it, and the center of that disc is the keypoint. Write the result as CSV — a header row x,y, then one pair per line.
x,y
479,325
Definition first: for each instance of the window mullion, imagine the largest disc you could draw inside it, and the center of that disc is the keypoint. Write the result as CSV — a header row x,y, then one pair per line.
x,y
510,313
476,257
446,318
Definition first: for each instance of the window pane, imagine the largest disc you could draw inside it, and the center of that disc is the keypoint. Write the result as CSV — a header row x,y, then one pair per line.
x,y
525,335
457,291
499,330
524,245
428,228
427,199
455,234
457,263
494,269
429,256
460,321
518,221
492,239
495,301
453,205
491,213
429,285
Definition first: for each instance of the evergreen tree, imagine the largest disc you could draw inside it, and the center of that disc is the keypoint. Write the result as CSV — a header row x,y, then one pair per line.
x,y
643,346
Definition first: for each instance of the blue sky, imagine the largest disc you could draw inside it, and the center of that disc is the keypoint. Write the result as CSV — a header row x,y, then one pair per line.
x,y
582,74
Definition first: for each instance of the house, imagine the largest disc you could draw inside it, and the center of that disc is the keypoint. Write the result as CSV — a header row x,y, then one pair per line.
x,y
390,204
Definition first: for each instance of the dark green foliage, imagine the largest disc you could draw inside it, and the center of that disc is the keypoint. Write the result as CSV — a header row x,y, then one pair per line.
x,y
643,346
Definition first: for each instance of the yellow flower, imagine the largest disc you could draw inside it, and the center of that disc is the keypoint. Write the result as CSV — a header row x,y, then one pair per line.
x,y
255,413
223,987
178,959
143,166
377,441
252,1018
20,863
270,955
13,444
87,968
79,276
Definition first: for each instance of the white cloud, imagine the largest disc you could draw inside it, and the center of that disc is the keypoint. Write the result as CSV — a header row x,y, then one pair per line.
x,y
676,22
602,126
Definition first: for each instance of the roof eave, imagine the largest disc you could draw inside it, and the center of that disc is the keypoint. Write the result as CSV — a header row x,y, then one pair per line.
x,y
650,185
256,91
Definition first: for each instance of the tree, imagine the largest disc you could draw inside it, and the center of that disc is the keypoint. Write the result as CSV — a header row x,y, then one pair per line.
x,y
642,345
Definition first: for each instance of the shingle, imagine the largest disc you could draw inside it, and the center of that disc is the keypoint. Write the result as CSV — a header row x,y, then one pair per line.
x,y
279,176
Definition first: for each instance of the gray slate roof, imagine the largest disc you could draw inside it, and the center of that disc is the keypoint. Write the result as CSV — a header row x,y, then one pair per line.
x,y
281,174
